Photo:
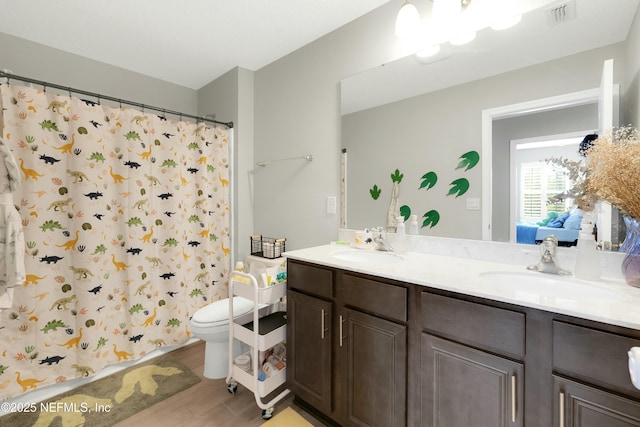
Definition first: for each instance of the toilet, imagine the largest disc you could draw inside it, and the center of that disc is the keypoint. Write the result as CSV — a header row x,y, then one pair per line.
x,y
211,324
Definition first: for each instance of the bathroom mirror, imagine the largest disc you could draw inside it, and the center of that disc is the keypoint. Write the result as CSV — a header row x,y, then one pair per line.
x,y
422,117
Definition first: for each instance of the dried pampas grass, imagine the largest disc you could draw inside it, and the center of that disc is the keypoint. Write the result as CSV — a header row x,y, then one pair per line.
x,y
614,169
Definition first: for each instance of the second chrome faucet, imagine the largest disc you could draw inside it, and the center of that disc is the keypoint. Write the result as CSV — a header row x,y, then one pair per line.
x,y
547,263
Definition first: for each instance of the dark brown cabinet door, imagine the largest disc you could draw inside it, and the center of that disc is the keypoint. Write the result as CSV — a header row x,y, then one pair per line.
x,y
578,405
462,386
309,342
373,357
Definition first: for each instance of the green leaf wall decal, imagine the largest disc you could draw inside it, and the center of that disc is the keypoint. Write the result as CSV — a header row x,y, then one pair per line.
x,y
429,179
469,160
431,218
405,211
396,176
375,192
459,186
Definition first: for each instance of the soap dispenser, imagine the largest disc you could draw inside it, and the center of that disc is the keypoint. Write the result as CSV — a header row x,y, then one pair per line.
x,y
413,228
587,259
401,236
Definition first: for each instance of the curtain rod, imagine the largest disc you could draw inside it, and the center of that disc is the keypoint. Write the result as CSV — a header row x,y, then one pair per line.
x,y
11,76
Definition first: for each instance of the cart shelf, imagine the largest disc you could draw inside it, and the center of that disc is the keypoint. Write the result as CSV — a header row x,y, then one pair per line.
x,y
260,331
272,329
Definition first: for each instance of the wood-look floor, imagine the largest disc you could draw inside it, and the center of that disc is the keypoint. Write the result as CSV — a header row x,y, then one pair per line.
x,y
207,403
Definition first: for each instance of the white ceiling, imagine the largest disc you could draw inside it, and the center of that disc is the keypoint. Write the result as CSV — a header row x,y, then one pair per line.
x,y
190,42
597,23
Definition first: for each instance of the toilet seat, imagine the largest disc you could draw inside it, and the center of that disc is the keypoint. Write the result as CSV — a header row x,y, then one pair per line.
x,y
218,312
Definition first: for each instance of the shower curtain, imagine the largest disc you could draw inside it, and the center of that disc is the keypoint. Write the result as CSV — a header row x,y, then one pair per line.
x,y
126,220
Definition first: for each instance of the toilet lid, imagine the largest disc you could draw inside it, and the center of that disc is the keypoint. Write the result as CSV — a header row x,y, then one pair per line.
x,y
219,311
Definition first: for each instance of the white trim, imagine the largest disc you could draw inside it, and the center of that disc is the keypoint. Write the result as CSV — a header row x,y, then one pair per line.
x,y
514,110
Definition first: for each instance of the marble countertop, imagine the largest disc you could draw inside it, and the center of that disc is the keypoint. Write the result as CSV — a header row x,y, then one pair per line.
x,y
620,305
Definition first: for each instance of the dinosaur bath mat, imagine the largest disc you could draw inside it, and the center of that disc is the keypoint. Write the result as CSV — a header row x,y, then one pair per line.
x,y
110,399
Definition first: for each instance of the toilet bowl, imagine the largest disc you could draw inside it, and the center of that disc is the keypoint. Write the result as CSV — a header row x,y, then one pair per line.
x,y
211,324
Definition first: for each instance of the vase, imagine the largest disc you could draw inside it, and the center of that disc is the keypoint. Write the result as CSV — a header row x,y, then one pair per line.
x,y
631,245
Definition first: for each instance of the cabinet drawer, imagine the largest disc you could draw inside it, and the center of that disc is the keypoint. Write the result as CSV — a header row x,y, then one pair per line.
x,y
371,295
595,356
475,324
310,279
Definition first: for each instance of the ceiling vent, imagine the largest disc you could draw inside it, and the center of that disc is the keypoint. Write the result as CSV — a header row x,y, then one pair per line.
x,y
561,13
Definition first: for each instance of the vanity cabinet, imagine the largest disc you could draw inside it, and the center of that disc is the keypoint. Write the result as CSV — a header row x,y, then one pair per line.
x,y
591,381
309,349
369,351
372,351
353,342
467,377
310,335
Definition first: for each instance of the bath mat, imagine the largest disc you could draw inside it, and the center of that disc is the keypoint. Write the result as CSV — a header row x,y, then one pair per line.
x,y
287,418
113,398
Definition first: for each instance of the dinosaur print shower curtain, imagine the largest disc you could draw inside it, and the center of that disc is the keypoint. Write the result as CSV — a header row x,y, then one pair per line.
x,y
126,223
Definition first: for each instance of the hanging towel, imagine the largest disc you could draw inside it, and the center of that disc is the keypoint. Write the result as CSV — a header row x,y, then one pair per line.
x,y
12,248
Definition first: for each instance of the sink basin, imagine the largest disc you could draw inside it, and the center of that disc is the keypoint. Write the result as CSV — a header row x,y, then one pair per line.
x,y
368,257
541,286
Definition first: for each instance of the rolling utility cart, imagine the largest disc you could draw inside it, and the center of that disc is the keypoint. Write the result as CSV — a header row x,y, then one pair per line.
x,y
269,333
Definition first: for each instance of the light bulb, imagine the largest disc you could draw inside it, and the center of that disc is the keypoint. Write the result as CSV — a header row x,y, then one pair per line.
x,y
407,21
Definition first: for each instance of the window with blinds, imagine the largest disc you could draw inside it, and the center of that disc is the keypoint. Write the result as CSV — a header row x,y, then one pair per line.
x,y
539,183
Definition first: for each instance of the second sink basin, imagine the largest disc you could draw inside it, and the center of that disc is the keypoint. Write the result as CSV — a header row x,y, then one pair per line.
x,y
367,257
549,286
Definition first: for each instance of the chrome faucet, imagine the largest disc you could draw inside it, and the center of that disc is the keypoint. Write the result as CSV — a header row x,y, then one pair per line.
x,y
547,264
380,239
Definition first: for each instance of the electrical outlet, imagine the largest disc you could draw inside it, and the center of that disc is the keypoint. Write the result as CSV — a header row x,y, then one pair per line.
x,y
331,205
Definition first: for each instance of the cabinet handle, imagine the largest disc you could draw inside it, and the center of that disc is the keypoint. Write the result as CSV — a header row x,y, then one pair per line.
x,y
513,398
341,322
561,408
322,328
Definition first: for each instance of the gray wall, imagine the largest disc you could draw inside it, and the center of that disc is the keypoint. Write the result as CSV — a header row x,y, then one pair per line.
x,y
430,132
40,62
297,112
230,97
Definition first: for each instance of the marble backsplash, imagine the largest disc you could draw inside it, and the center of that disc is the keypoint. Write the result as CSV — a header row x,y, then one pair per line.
x,y
507,253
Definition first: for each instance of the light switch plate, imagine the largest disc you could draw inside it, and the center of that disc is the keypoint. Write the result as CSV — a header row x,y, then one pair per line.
x,y
473,204
331,205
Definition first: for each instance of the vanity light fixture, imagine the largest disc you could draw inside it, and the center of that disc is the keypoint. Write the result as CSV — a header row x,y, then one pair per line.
x,y
454,21
407,21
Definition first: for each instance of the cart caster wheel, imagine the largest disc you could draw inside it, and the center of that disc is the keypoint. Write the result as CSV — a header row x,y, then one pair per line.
x,y
267,414
232,388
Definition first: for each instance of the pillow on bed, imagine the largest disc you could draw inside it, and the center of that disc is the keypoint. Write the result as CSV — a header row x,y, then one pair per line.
x,y
550,217
558,222
574,220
